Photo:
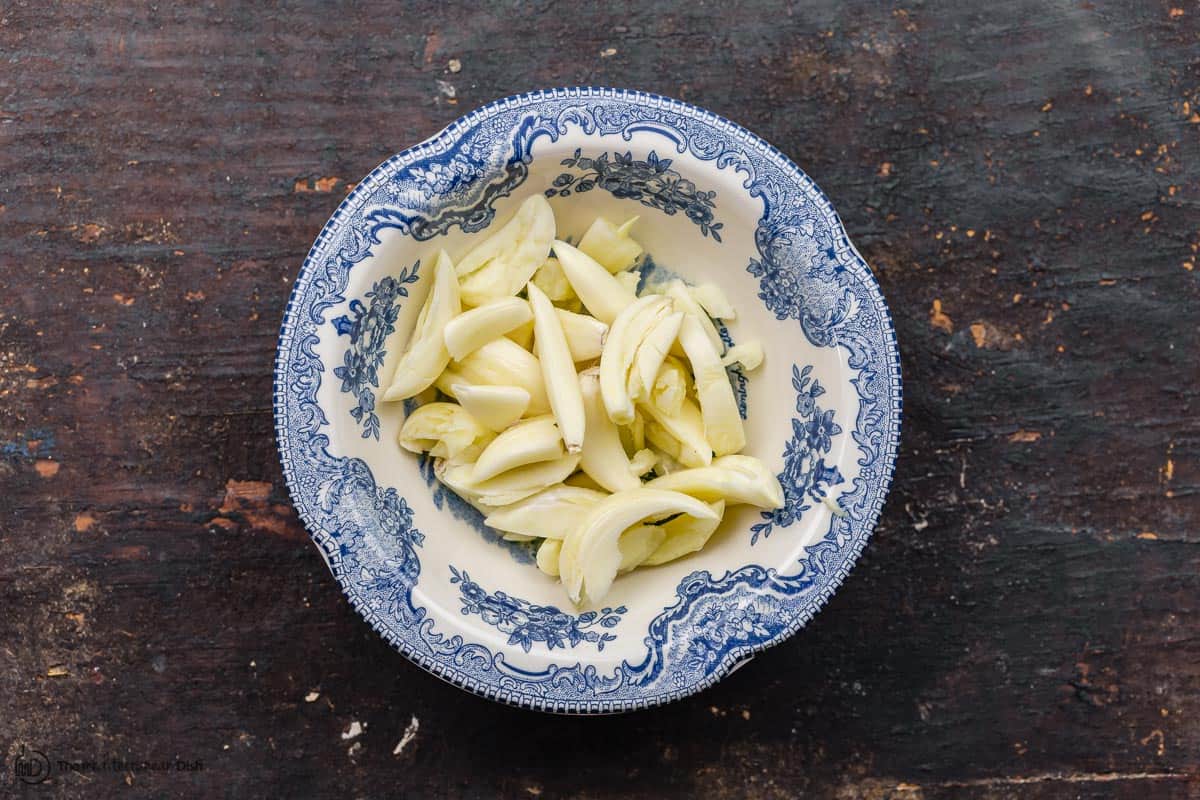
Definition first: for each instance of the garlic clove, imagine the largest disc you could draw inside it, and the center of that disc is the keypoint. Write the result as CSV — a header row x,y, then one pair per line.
x,y
624,335
526,442
444,430
495,407
503,362
472,329
733,478
558,370
427,355
719,410
585,335
549,514
505,261
591,553
611,246
603,458
600,292
685,535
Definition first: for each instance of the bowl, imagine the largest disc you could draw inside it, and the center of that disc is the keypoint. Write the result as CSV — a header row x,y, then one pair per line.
x,y
716,203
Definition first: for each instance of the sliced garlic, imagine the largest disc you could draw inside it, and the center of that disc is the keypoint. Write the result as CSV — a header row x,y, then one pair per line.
x,y
620,347
678,291
443,430
505,261
749,355
551,279
427,355
591,553
611,246
687,428
600,292
713,300
733,478
603,456
585,335
512,486
722,421
547,556
670,386
503,362
526,442
685,535
639,543
558,370
495,407
650,355
472,329
549,514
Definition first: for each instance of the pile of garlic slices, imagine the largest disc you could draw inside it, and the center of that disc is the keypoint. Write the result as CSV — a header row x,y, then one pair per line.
x,y
599,422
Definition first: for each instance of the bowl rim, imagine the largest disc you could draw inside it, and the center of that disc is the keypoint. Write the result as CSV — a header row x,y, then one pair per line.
x,y
736,657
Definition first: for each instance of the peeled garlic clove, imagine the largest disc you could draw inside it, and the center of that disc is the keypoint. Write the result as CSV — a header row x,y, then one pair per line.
x,y
591,553
722,421
713,300
651,353
558,370
642,462
505,261
444,430
472,329
734,478
450,474
512,486
685,535
687,428
624,335
639,543
611,246
524,443
679,293
549,514
670,387
603,456
503,362
551,279
547,556
749,355
585,335
666,444
427,355
517,537
629,280
603,295
495,407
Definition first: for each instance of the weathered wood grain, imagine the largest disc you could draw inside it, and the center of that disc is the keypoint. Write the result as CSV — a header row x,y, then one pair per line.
x,y
1022,176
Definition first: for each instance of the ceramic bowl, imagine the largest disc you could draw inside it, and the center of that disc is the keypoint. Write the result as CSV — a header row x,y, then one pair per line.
x,y
716,203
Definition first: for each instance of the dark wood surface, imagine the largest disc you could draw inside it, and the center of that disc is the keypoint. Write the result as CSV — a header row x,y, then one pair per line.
x,y
1023,176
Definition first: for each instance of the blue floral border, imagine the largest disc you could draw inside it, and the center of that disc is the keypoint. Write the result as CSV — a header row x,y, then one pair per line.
x,y
716,622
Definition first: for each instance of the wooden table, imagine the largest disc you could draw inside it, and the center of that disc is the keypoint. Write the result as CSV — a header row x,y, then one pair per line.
x,y
1025,179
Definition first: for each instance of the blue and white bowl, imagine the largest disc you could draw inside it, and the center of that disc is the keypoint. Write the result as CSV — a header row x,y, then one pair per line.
x,y
716,203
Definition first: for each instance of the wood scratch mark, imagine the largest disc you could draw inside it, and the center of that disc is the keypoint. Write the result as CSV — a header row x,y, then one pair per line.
x,y
410,733
939,319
